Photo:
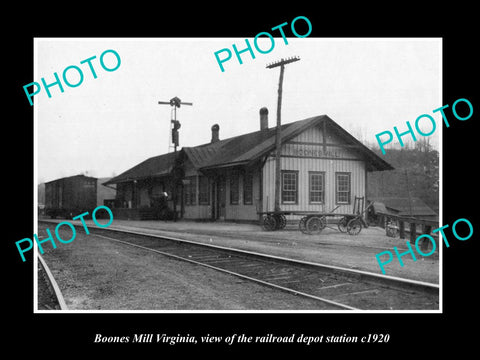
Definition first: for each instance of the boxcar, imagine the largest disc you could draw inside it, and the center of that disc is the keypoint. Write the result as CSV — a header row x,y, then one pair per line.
x,y
70,196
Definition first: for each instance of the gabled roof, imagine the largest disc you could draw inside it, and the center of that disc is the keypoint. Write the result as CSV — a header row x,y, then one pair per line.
x,y
72,177
374,162
245,149
153,167
241,149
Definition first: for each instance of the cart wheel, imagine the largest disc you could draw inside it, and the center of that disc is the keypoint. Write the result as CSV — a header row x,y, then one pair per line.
x,y
281,221
342,225
315,225
323,220
391,232
354,227
269,223
302,225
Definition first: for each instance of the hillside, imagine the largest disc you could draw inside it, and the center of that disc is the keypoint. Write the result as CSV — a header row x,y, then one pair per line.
x,y
416,174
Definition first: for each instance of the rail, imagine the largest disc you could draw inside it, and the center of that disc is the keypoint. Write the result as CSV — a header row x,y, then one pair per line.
x,y
53,283
339,287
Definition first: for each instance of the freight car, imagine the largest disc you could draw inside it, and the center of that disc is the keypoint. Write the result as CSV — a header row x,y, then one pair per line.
x,y
70,196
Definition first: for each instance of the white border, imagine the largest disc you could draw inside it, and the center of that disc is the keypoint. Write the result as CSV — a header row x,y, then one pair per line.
x,y
35,181
35,202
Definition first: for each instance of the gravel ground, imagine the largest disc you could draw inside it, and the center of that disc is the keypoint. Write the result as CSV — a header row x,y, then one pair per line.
x,y
97,274
46,299
330,247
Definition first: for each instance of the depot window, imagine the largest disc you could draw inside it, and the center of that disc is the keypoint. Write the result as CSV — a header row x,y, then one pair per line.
x,y
289,187
234,191
248,189
316,186
203,193
191,190
342,188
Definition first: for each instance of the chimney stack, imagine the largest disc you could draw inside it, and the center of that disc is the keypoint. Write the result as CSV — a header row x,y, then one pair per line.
x,y
215,130
263,118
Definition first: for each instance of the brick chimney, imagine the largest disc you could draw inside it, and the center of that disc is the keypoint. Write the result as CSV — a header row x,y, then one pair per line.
x,y
215,130
263,118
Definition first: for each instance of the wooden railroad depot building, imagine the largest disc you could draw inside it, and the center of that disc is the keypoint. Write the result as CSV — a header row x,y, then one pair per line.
x,y
322,166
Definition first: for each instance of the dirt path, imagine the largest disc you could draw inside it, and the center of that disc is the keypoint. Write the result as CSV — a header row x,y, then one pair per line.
x,y
96,274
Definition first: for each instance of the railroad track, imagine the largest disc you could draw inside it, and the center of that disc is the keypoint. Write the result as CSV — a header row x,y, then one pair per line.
x,y
50,297
343,289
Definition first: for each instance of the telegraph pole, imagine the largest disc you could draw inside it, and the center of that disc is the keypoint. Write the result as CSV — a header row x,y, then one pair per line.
x,y
278,134
175,103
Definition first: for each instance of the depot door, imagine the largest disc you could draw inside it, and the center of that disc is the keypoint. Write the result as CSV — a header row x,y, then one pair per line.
x,y
221,196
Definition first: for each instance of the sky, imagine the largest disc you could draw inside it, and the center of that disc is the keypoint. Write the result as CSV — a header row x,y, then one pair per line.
x,y
109,124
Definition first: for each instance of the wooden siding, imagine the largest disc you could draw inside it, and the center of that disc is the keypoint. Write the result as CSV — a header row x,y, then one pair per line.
x,y
303,166
306,153
242,211
197,211
313,139
194,212
316,135
144,198
238,211
75,193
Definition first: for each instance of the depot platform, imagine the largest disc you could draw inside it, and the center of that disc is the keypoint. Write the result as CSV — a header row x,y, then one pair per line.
x,y
330,247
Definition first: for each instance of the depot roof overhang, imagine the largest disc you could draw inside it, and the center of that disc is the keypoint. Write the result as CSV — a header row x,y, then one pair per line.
x,y
136,178
244,150
228,156
156,167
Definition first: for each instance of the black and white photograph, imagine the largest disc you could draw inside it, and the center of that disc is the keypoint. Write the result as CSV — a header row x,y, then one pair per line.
x,y
265,179
222,189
